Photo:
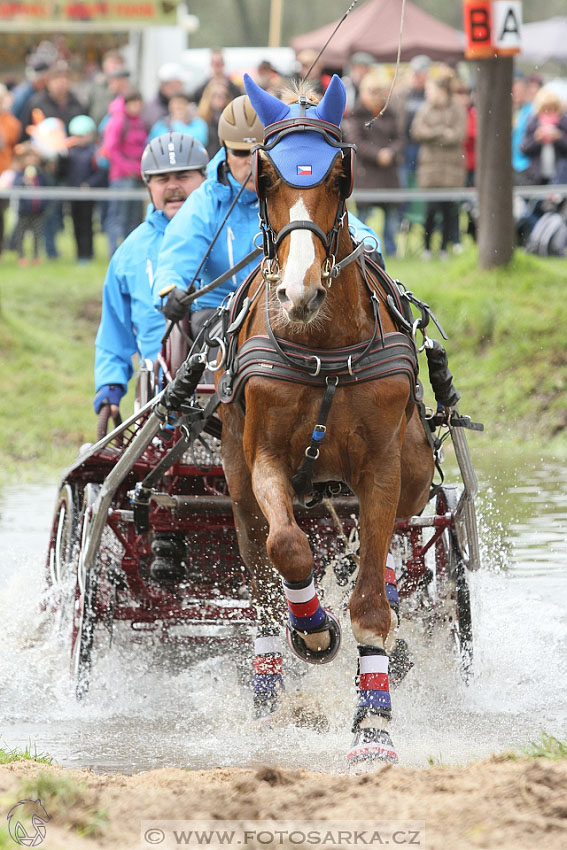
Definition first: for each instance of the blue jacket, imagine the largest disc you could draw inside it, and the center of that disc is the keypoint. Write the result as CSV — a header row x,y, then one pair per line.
x,y
129,323
519,125
196,128
191,231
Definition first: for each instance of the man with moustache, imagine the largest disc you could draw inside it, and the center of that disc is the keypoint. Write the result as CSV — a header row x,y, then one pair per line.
x,y
172,166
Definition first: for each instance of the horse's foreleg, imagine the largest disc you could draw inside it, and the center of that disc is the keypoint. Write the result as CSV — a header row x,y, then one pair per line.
x,y
314,633
373,615
252,530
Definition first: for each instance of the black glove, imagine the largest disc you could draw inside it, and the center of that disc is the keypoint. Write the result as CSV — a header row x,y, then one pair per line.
x,y
174,309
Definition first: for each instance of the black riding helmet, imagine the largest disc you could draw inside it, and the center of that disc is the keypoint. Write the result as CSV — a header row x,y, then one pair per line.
x,y
173,152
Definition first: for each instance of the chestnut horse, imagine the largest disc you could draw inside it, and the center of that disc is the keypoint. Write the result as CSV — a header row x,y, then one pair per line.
x,y
314,298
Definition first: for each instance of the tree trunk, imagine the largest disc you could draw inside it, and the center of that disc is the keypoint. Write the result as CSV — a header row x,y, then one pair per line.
x,y
494,175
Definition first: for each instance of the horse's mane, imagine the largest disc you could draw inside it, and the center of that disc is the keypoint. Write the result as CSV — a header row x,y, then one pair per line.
x,y
291,94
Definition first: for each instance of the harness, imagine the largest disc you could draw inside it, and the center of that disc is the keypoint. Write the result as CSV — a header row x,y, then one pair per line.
x,y
266,355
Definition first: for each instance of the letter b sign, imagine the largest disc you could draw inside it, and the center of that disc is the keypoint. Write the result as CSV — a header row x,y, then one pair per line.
x,y
478,28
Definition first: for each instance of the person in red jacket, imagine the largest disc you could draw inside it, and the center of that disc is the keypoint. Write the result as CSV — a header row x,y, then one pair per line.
x,y
124,142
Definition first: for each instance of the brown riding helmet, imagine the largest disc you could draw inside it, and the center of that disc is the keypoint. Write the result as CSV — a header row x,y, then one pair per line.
x,y
239,126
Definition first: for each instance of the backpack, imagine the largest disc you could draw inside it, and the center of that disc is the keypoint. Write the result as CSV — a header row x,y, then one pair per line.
x,y
549,236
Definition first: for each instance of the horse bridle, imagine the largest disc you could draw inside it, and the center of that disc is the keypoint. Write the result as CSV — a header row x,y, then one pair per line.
x,y
271,239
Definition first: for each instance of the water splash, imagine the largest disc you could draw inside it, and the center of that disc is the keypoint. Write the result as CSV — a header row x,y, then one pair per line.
x,y
149,707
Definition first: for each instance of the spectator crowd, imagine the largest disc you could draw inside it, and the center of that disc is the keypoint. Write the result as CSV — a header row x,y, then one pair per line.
x,y
57,130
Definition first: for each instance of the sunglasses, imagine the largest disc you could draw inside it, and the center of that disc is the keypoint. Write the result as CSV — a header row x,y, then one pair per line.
x,y
239,154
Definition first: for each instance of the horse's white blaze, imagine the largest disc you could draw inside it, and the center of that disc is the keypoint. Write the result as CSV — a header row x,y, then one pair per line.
x,y
301,254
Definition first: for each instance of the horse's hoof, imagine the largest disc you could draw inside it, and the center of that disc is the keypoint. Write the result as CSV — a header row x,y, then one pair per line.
x,y
370,749
323,656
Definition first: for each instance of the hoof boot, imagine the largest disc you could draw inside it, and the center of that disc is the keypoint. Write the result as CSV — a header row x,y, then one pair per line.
x,y
300,648
371,747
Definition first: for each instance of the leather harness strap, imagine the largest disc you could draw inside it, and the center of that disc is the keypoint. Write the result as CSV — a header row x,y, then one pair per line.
x,y
266,355
260,357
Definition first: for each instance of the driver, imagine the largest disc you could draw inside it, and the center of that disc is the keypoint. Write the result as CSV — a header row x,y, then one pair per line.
x,y
180,257
172,166
239,130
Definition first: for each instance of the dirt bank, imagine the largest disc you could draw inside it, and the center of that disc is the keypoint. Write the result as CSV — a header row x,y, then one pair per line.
x,y
496,803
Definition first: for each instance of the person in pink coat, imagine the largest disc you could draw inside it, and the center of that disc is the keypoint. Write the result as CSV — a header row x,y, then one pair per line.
x,y
124,141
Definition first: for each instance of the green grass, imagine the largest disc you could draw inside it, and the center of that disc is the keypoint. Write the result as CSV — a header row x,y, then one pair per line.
x,y
49,315
547,747
67,801
8,756
506,345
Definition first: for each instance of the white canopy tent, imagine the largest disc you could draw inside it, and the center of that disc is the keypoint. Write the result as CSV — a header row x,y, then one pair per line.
x,y
545,40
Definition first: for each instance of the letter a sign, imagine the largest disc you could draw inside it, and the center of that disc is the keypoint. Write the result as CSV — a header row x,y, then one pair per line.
x,y
507,26
492,28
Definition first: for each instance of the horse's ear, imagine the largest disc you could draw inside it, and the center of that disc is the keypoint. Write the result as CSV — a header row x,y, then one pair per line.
x,y
332,107
268,108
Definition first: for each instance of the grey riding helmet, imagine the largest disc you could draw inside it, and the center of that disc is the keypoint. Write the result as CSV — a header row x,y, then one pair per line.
x,y
173,152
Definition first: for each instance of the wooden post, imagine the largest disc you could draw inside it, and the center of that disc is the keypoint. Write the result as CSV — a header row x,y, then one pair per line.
x,y
275,34
494,174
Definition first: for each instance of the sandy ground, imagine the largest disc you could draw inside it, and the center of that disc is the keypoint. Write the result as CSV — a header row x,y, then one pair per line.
x,y
495,803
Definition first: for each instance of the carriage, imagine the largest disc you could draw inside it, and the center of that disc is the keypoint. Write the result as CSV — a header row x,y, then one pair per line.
x,y
318,335
107,513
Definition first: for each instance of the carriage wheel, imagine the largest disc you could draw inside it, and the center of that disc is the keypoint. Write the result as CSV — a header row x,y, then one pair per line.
x,y
451,567
61,556
83,637
85,604
94,595
63,536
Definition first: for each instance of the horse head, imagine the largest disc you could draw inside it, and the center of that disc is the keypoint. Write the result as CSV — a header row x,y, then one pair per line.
x,y
302,178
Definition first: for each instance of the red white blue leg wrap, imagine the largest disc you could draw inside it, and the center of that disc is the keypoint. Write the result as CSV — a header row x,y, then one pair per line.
x,y
373,687
307,617
268,672
305,611
392,584
372,741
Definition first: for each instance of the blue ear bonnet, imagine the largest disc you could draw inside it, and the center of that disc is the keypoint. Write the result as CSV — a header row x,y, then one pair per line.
x,y
302,157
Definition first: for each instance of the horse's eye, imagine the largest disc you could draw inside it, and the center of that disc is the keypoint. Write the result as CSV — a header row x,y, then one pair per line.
x,y
269,180
337,181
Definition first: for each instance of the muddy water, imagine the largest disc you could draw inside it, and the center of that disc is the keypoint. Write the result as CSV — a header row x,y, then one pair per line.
x,y
141,714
